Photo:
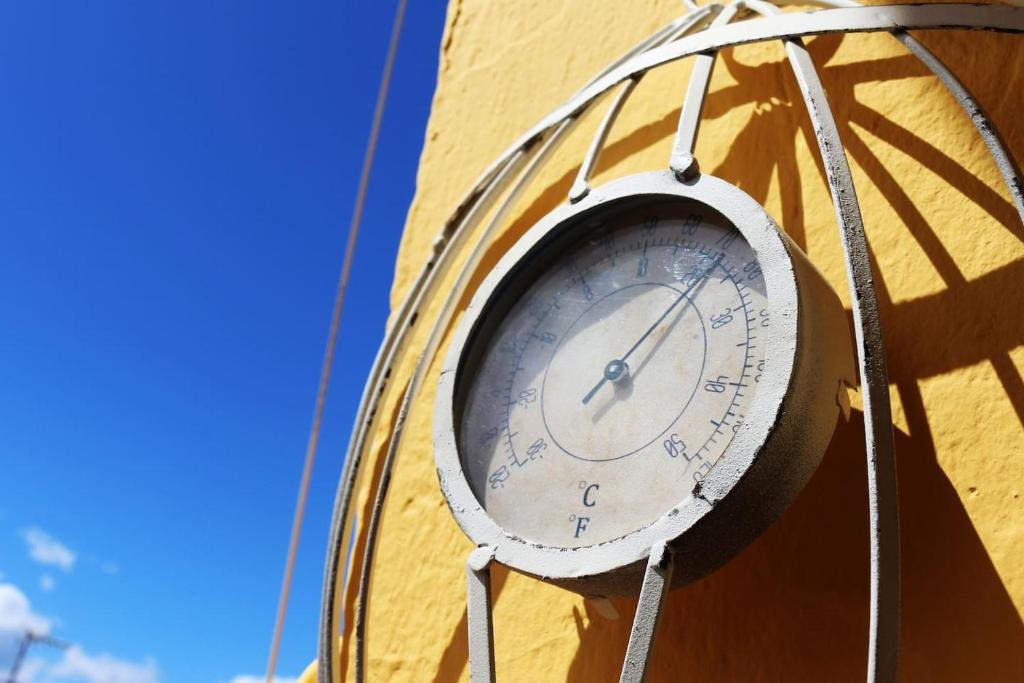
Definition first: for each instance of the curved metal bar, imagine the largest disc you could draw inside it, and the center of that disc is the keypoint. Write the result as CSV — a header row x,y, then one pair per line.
x,y
436,335
371,541
581,186
1005,162
883,510
872,19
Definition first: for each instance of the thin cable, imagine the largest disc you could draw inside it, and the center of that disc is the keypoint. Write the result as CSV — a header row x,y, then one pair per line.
x,y
332,337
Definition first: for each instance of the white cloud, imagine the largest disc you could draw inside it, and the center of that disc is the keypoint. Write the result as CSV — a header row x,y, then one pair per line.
x,y
16,617
45,549
16,612
30,670
261,679
79,666
75,664
46,583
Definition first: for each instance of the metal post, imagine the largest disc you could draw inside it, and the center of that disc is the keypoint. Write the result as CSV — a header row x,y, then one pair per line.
x,y
581,186
657,579
681,160
478,615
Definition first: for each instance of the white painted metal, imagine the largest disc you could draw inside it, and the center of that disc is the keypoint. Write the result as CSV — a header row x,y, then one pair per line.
x,y
1004,161
447,245
365,575
448,309
478,615
883,510
581,185
768,462
657,581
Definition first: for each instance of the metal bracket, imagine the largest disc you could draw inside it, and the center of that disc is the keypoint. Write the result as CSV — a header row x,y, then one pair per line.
x,y
682,161
657,579
478,615
581,186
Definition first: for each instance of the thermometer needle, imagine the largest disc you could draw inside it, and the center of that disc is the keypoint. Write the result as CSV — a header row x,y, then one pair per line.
x,y
616,368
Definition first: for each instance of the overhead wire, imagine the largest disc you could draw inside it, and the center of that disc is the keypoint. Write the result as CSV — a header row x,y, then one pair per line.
x,y
332,338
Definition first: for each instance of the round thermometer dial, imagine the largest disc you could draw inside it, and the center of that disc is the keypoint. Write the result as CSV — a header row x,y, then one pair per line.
x,y
619,377
656,363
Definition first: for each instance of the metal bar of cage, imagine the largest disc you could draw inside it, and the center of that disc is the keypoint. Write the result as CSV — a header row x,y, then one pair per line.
x,y
478,613
883,510
643,57
1004,161
649,607
581,186
690,22
883,513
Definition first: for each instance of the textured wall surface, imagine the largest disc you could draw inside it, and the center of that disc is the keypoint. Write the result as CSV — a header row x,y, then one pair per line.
x,y
950,255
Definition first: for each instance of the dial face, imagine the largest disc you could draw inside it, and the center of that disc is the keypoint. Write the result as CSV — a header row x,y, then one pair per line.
x,y
613,373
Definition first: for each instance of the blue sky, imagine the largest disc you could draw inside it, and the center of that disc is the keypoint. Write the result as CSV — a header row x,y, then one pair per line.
x,y
176,179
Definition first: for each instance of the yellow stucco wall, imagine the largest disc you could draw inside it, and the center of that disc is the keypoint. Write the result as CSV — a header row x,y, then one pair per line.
x,y
950,248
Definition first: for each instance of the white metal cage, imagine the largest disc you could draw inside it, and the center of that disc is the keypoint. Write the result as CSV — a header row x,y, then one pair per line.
x,y
699,34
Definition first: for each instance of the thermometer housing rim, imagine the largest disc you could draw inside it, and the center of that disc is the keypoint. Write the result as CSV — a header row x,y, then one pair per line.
x,y
728,508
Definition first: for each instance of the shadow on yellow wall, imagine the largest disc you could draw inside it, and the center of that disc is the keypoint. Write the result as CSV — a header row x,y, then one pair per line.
x,y
794,605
